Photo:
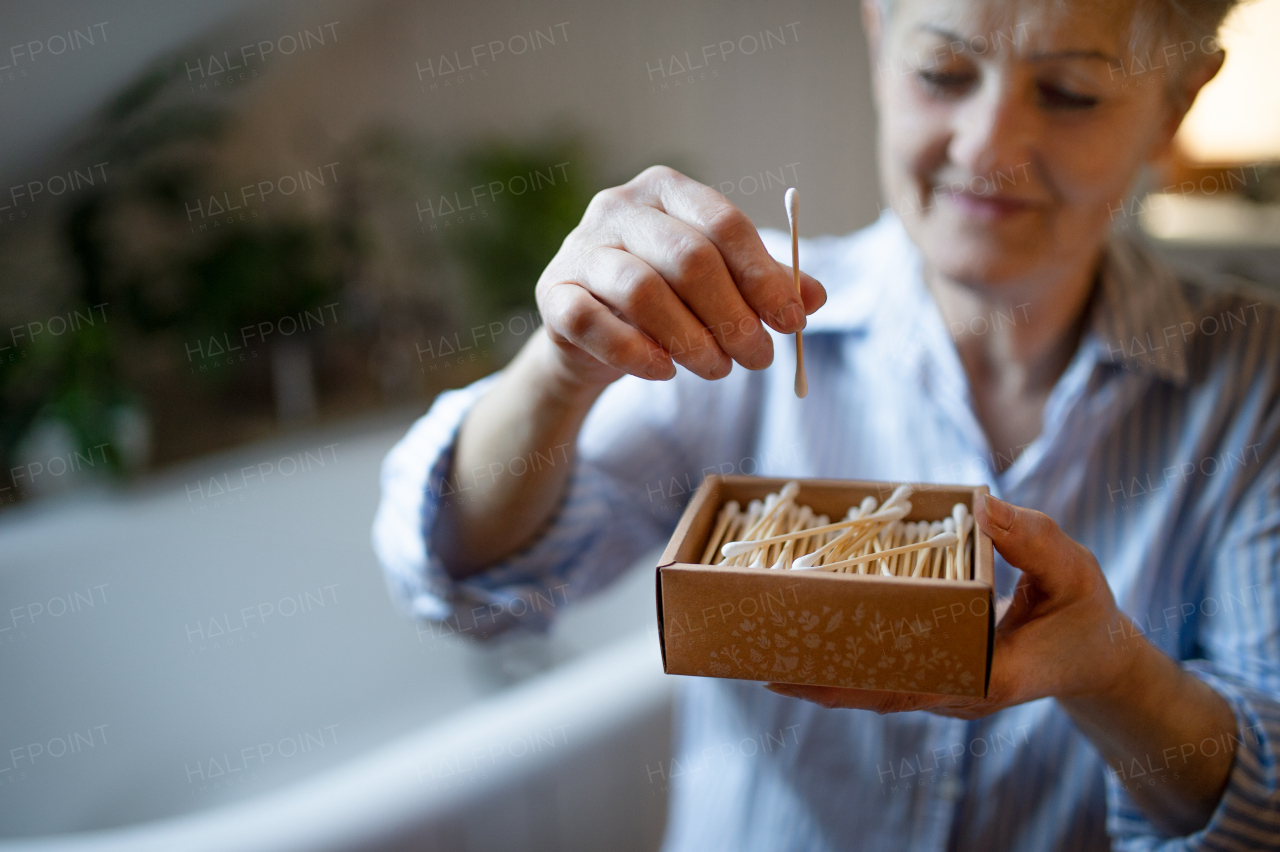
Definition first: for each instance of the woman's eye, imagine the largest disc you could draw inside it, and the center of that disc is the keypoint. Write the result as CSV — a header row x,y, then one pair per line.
x,y
1059,98
947,82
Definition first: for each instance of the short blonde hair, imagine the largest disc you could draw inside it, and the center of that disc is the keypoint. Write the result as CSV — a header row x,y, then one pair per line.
x,y
1152,23
1190,20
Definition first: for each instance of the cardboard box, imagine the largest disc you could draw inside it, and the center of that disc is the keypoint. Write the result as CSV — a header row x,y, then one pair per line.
x,y
902,634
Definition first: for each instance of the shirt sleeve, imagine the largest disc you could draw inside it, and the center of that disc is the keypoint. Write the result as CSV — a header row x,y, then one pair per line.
x,y
642,451
1239,634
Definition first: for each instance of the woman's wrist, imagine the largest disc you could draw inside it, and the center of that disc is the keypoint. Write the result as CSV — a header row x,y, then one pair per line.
x,y
1148,709
562,384
1134,670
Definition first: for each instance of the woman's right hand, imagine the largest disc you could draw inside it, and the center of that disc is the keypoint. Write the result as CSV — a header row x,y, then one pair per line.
x,y
665,269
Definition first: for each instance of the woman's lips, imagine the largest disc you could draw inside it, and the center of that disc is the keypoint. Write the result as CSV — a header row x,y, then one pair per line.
x,y
989,208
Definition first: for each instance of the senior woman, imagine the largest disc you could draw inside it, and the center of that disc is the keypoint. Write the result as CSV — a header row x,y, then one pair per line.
x,y
991,329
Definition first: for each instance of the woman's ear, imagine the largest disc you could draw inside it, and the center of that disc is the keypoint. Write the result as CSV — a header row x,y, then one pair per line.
x,y
1183,94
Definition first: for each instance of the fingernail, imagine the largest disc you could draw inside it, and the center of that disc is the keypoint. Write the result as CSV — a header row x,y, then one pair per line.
x,y
1000,512
793,311
789,317
661,370
762,357
822,288
721,368
779,689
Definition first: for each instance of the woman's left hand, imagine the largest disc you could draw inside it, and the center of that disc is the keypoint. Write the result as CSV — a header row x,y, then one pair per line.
x,y
1061,636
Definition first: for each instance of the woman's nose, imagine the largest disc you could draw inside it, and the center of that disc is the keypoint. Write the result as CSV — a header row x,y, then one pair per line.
x,y
994,130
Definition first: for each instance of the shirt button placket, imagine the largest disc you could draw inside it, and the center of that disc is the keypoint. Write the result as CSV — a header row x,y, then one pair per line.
x,y
941,797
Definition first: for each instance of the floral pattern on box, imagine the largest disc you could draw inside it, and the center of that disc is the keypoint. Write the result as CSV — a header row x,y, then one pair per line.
x,y
831,648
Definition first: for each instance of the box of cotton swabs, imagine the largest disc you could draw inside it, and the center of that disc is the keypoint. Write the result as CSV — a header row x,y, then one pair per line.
x,y
869,585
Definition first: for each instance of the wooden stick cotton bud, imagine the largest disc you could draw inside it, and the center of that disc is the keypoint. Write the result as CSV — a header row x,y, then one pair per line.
x,y
792,200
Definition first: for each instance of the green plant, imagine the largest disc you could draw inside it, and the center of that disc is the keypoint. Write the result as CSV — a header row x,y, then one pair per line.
x,y
535,193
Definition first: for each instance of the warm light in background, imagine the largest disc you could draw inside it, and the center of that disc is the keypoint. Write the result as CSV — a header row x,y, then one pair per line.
x,y
1237,116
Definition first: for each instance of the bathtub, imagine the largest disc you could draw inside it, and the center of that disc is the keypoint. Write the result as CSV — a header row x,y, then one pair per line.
x,y
211,661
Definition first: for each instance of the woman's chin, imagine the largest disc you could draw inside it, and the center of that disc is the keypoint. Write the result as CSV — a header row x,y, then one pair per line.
x,y
980,266
969,252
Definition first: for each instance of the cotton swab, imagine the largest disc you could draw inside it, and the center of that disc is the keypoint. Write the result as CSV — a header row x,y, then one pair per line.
x,y
772,504
922,558
735,548
779,533
727,514
947,557
851,541
848,565
935,529
909,536
940,540
898,497
758,513
802,518
748,520
736,524
792,200
960,513
811,557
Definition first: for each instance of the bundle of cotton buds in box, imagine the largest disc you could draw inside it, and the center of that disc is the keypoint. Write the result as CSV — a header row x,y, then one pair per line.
x,y
777,533
817,581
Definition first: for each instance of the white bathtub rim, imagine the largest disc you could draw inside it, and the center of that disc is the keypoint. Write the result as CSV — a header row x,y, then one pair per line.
x,y
381,792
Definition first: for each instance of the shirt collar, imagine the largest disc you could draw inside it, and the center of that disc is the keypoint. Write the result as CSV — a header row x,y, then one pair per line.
x,y
868,275
875,278
1139,312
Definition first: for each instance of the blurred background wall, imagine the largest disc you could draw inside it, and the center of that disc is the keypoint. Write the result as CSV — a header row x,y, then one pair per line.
x,y
253,161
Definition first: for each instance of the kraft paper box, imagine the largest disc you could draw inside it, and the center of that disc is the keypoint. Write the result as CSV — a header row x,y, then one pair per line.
x,y
902,634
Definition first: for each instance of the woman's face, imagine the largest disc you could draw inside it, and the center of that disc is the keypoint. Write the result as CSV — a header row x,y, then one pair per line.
x,y
1008,140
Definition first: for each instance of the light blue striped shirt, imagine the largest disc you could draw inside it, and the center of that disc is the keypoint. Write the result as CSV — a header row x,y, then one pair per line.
x,y
1158,452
